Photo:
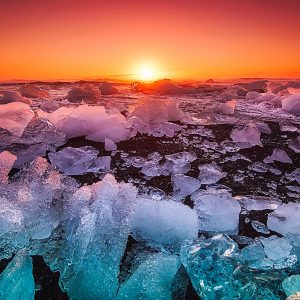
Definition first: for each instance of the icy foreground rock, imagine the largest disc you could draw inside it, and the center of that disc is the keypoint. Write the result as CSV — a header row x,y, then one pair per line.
x,y
15,116
219,270
76,161
217,211
164,223
16,281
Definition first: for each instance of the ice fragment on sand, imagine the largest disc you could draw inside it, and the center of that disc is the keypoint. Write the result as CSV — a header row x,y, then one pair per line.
x,y
184,185
294,144
217,211
76,161
249,135
260,227
164,223
276,248
285,219
109,145
210,173
93,122
252,202
278,155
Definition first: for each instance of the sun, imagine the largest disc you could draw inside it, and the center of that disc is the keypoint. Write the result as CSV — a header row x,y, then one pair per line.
x,y
147,73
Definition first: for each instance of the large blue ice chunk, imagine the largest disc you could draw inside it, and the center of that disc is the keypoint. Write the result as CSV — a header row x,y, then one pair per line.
x,y
16,281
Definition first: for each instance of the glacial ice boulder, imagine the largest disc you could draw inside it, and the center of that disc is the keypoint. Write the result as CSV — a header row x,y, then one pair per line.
x,y
13,96
153,116
32,91
16,281
76,161
208,264
156,110
217,211
164,223
219,270
285,219
93,122
291,104
107,88
85,93
15,116
89,259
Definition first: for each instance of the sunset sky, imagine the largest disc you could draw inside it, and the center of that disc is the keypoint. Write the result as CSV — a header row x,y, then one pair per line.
x,y
193,39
